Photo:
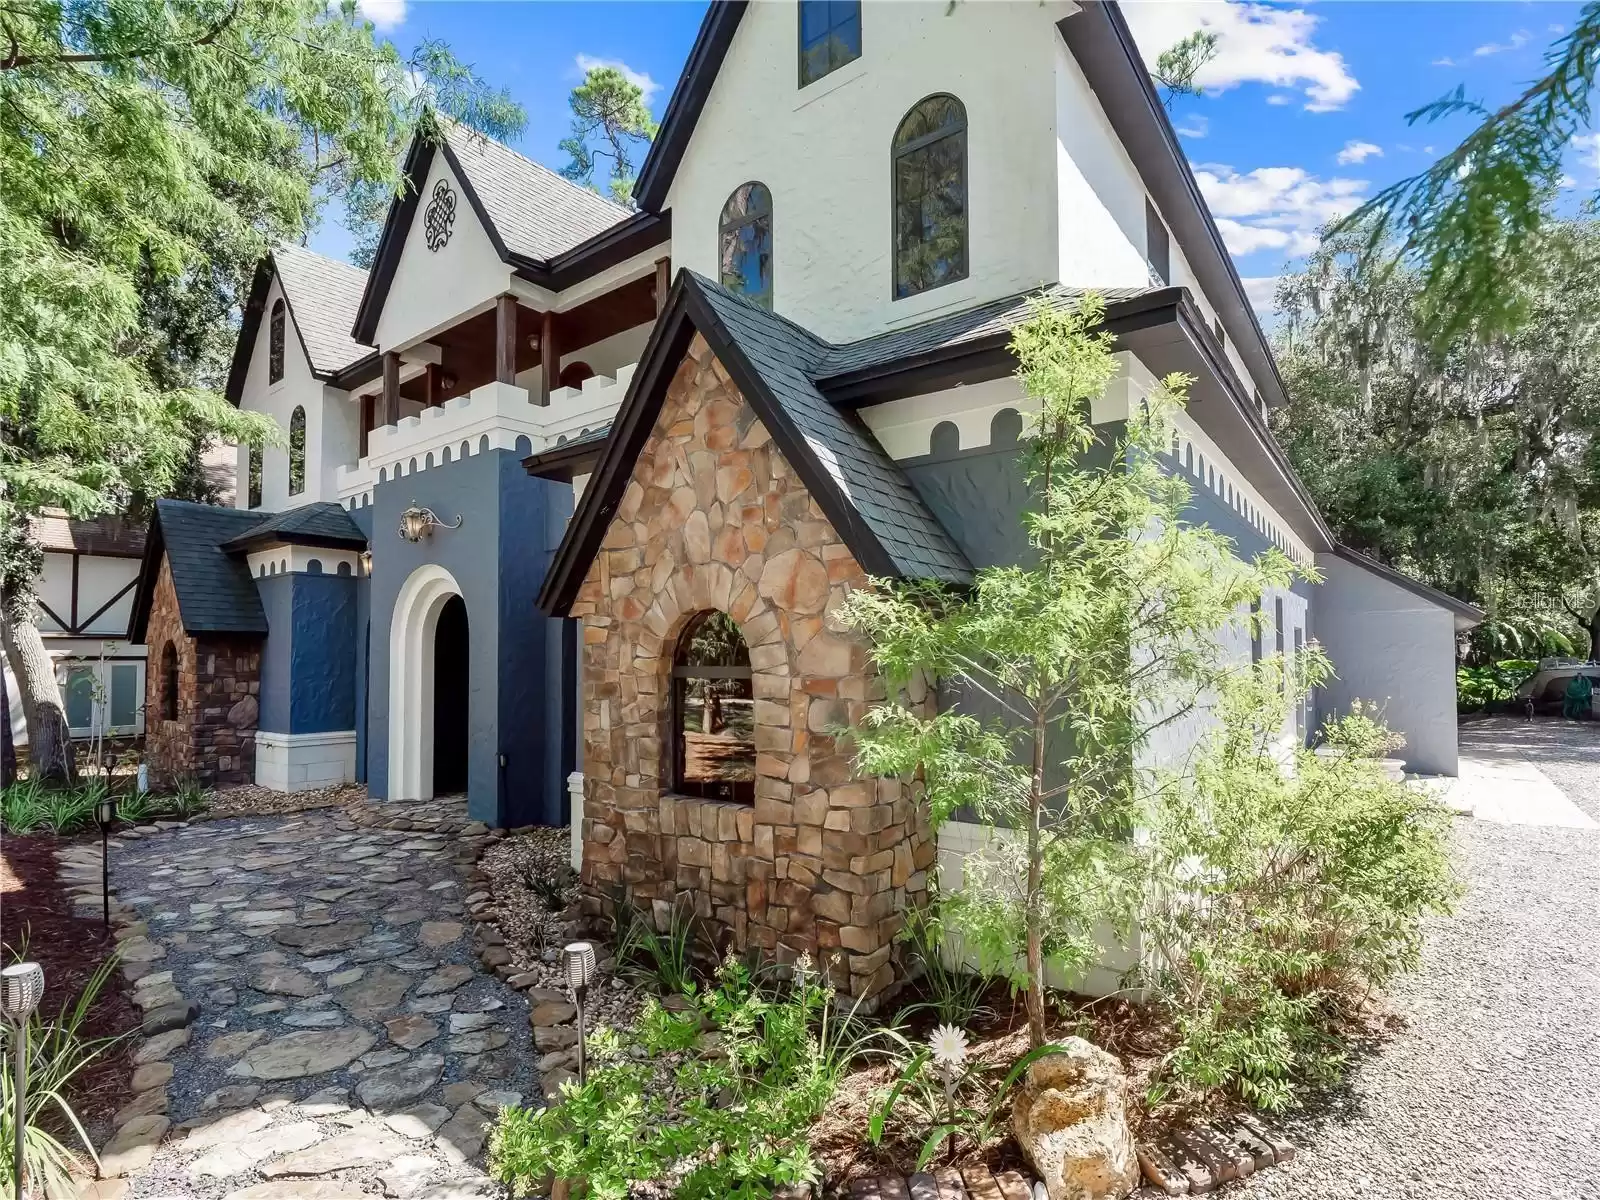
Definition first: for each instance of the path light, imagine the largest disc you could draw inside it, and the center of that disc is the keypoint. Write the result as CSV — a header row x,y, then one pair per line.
x,y
21,989
105,813
417,521
580,971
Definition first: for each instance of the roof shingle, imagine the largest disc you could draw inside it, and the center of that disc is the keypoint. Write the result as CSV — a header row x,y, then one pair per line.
x,y
215,591
321,524
324,294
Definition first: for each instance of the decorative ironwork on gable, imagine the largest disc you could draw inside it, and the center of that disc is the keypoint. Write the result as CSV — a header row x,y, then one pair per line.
x,y
438,221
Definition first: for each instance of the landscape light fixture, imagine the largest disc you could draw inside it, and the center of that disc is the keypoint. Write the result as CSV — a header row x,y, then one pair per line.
x,y
580,972
417,522
105,814
21,989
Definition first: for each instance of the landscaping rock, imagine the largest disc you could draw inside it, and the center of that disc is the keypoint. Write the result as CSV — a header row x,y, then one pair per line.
x,y
305,1052
418,1122
411,1032
393,1087
168,1018
1070,1118
358,1148
157,1048
133,1146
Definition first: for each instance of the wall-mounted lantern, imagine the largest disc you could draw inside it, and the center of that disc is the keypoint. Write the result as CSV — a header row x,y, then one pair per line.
x,y
417,522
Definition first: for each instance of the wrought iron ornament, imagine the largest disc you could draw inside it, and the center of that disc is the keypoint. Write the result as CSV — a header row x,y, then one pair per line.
x,y
440,217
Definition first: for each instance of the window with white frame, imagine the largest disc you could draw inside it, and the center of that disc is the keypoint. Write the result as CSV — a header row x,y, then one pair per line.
x,y
103,696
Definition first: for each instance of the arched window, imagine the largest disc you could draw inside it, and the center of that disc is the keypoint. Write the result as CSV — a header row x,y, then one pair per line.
x,y
254,481
275,342
713,712
745,243
169,683
574,373
297,451
930,196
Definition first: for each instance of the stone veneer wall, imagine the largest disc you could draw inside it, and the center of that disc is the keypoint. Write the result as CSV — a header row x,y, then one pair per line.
x,y
825,861
219,682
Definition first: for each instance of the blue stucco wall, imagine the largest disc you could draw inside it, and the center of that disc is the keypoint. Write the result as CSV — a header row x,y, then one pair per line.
x,y
511,525
277,652
323,697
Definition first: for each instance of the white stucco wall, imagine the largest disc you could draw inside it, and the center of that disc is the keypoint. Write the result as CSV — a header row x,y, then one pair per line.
x,y
824,151
1392,647
434,289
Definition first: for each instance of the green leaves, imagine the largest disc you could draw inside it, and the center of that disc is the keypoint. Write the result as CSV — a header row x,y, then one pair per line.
x,y
609,107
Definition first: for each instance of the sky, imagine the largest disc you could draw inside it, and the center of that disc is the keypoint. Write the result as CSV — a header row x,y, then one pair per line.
x,y
1302,116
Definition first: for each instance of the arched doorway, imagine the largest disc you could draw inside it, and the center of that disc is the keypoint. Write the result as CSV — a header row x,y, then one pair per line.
x,y
450,690
413,678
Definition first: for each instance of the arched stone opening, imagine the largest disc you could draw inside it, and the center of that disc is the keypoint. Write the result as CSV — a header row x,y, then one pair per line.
x,y
413,677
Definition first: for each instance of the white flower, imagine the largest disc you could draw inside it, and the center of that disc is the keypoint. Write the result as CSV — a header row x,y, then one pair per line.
x,y
949,1046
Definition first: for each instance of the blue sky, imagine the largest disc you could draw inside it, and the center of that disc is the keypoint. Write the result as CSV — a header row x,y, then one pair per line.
x,y
1303,115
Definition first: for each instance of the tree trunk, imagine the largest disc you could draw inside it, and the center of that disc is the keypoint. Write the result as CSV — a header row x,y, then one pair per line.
x,y
49,742
8,747
1035,891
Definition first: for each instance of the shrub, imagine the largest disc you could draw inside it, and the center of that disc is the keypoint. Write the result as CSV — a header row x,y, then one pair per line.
x,y
953,995
1280,897
665,959
707,1115
56,1051
1479,687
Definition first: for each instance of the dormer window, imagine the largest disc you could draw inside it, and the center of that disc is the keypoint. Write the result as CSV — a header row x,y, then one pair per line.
x,y
275,343
744,251
930,196
1158,246
830,36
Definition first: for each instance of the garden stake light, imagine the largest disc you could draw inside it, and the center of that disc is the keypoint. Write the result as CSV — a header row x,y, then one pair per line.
x,y
580,970
21,989
106,814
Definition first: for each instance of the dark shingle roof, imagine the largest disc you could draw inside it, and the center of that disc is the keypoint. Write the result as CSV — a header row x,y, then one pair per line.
x,y
973,324
324,294
786,357
320,524
537,213
215,591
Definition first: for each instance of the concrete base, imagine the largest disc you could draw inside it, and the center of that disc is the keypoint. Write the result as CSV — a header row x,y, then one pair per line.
x,y
300,762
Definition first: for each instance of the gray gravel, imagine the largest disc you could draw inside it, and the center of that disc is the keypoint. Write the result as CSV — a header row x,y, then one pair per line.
x,y
1492,1086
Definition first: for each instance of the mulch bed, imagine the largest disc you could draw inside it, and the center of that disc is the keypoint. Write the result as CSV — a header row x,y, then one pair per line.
x,y
35,910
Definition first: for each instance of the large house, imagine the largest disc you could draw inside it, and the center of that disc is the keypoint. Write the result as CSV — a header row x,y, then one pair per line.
x,y
571,490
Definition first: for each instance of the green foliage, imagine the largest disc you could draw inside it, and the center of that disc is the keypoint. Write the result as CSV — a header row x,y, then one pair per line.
x,y
1179,63
1107,636
609,107
703,1115
666,959
933,1105
1470,218
953,995
56,1051
32,806
1280,897
1479,687
1475,467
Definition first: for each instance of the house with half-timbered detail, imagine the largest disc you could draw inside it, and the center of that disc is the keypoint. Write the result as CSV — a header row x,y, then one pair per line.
x,y
569,492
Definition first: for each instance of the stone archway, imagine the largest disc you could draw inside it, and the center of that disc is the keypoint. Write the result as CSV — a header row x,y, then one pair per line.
x,y
411,680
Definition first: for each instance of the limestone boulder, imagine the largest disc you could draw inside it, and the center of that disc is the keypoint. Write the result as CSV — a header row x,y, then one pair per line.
x,y
1070,1118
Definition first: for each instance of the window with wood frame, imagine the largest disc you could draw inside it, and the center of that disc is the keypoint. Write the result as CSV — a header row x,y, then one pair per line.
x,y
275,331
713,712
930,196
169,683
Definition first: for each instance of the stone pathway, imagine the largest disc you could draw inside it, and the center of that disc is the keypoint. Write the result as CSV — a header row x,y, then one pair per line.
x,y
315,1021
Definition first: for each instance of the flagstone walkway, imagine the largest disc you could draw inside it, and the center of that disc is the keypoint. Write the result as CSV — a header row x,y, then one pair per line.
x,y
315,1021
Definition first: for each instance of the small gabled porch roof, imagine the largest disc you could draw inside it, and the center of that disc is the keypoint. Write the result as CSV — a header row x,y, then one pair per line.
x,y
862,491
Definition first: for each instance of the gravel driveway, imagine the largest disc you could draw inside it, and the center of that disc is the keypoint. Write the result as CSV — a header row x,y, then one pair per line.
x,y
1492,1088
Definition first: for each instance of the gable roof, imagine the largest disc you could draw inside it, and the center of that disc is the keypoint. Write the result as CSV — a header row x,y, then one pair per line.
x,y
861,490
321,524
107,536
549,230
1467,615
1101,43
322,295
215,591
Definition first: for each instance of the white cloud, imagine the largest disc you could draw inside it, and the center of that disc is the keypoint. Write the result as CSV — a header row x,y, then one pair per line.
x,y
1566,181
1358,152
1275,208
1515,42
1446,61
1256,43
1194,125
1261,291
1587,146
384,14
1558,30
588,62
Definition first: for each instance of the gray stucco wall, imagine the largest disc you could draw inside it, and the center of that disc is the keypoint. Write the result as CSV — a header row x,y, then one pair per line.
x,y
511,527
1393,647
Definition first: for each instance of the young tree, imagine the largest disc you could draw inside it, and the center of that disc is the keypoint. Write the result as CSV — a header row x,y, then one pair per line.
x,y
153,150
607,106
1109,635
1471,215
